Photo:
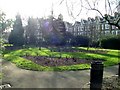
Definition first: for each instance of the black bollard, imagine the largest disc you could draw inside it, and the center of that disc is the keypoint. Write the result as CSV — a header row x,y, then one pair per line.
x,y
119,70
96,76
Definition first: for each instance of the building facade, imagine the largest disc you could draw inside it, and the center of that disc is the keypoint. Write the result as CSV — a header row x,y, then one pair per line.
x,y
69,27
94,28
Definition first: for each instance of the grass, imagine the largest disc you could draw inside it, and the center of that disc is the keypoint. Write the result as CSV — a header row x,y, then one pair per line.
x,y
111,58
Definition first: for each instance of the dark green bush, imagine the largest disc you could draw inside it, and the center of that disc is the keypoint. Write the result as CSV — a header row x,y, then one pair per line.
x,y
95,44
82,41
112,42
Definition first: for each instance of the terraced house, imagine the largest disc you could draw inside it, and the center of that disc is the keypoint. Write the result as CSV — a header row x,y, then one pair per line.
x,y
92,27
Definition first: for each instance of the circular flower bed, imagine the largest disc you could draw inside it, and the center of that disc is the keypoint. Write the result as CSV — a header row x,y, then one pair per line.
x,y
58,61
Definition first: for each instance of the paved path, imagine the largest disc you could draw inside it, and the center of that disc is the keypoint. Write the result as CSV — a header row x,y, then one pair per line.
x,y
20,78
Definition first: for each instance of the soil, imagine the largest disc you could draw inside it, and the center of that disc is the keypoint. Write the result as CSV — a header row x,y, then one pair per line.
x,y
58,61
111,83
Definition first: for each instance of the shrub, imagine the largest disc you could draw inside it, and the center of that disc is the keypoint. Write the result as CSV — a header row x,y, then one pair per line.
x,y
112,42
95,44
80,41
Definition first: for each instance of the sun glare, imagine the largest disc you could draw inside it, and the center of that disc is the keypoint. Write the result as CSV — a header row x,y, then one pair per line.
x,y
35,8
42,8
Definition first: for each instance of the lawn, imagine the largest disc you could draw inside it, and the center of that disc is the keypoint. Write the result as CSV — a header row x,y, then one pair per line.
x,y
111,57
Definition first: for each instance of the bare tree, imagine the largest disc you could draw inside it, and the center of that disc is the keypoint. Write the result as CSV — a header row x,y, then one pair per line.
x,y
110,9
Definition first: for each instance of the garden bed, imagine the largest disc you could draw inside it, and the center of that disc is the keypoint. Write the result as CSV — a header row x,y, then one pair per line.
x,y
58,61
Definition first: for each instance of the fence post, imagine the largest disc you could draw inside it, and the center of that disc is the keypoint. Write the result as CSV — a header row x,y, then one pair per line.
x,y
96,75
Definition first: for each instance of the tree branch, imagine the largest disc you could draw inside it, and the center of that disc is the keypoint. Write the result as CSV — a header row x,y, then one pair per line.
x,y
80,9
61,2
118,21
88,3
112,23
97,11
109,6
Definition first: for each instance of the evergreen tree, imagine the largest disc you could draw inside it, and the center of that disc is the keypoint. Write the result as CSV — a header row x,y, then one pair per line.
x,y
17,34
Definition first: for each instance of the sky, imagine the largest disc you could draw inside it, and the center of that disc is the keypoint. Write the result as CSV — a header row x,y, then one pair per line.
x,y
42,8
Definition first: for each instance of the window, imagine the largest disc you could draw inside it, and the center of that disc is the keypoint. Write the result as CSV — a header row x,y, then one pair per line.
x,y
106,26
102,26
114,32
118,32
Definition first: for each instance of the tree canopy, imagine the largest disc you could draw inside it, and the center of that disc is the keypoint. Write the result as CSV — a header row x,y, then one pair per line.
x,y
17,34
